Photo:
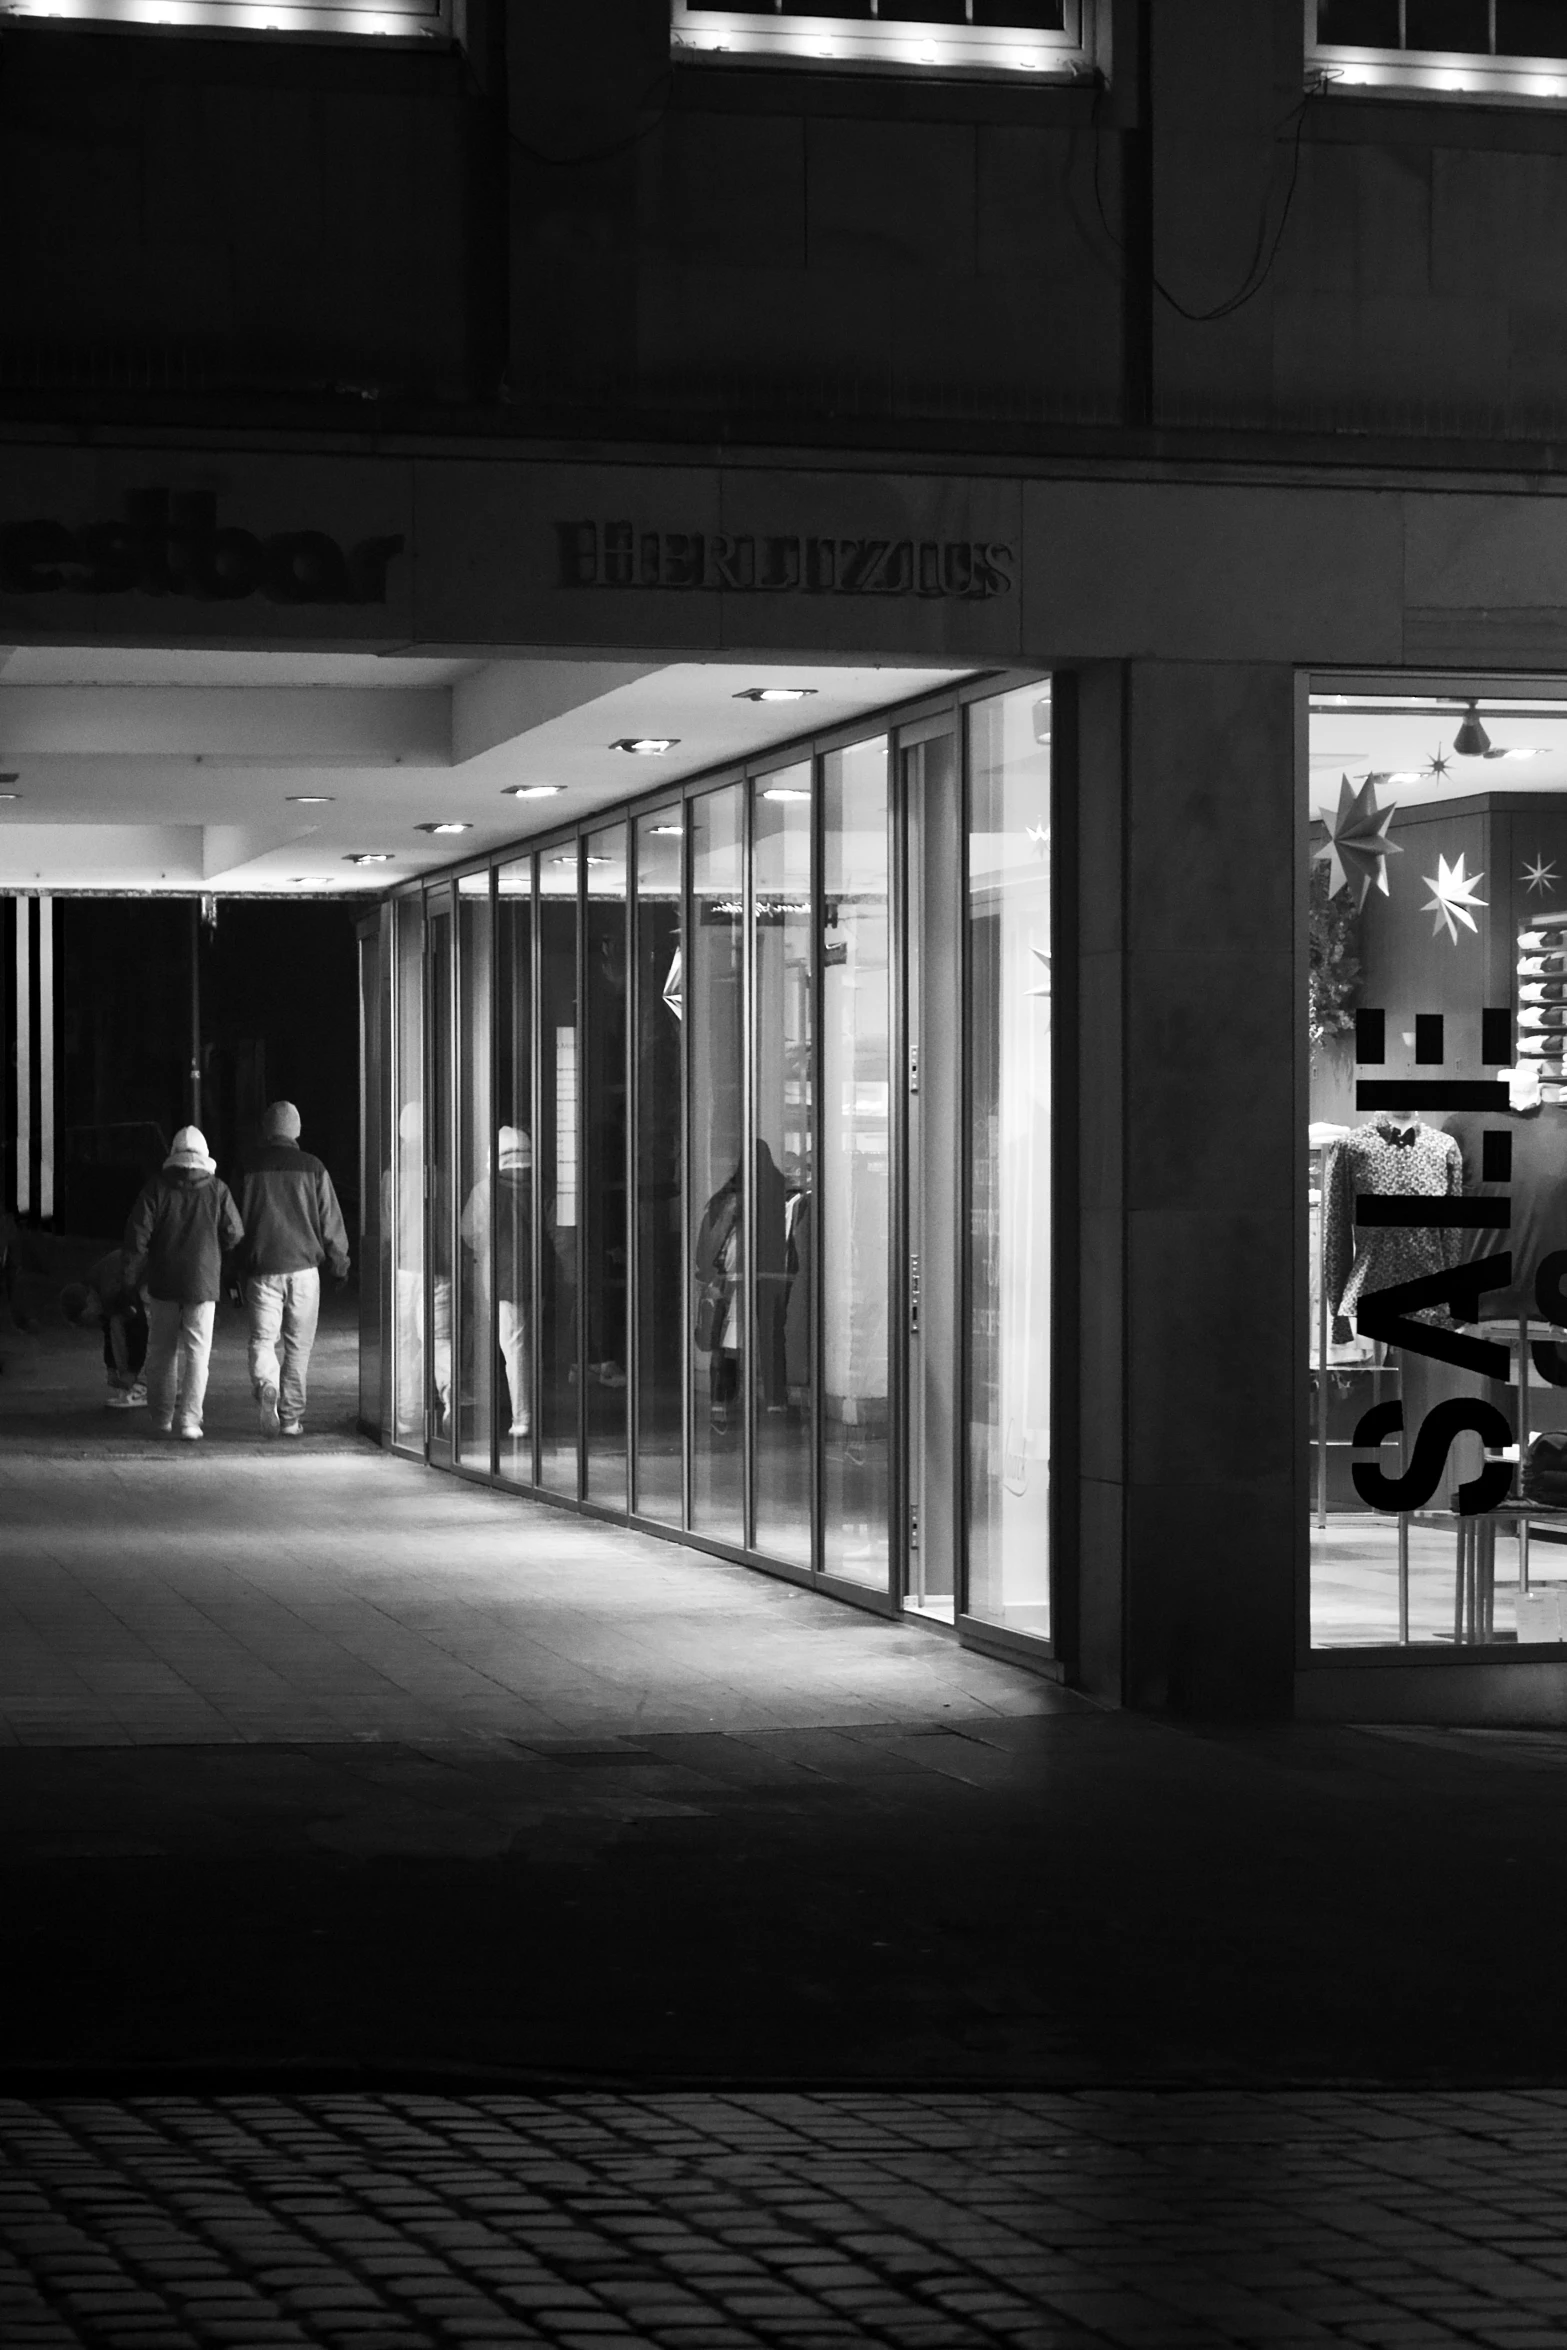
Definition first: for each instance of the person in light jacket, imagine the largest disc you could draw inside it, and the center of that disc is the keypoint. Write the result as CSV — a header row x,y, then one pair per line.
x,y
183,1225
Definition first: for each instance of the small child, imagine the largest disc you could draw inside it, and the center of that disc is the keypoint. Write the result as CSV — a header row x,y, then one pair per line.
x,y
105,1301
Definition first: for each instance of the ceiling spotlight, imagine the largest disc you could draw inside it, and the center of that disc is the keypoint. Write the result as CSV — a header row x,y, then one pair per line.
x,y
10,795
785,791
646,746
369,857
310,799
1471,741
531,791
446,825
310,881
776,693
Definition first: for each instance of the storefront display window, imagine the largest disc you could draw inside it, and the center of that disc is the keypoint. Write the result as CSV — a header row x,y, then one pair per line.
x,y
511,1200
856,1163
556,1169
604,1250
475,1368
782,1387
1009,1006
717,1199
722,1188
1436,1166
657,1077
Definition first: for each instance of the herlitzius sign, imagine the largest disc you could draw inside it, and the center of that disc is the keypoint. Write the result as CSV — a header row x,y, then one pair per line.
x,y
176,543
782,563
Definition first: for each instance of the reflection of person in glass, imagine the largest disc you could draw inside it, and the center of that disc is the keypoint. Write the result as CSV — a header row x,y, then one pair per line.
x,y
513,1188
717,1275
410,1287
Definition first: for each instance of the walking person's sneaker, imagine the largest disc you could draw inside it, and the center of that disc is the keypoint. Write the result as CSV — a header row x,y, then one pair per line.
x,y
293,1428
269,1418
522,1426
137,1396
120,1399
163,1427
191,1434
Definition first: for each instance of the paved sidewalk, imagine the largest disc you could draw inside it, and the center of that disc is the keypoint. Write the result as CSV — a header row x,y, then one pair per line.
x,y
722,2222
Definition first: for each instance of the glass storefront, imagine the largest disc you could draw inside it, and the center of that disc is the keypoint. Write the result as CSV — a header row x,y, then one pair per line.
x,y
720,1190
1436,1167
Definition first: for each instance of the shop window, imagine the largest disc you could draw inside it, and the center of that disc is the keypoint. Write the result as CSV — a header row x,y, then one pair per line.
x,y
336,20
556,1170
1513,50
783,1385
659,1157
512,1241
1436,1166
1009,1158
404,1212
714,1010
855,1173
604,1251
474,1427
909,36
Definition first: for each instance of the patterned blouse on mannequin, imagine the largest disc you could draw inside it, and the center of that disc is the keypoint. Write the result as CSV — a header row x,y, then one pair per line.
x,y
1397,1157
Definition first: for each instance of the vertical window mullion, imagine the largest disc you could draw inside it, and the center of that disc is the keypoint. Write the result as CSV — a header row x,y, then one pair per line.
x,y
746,1287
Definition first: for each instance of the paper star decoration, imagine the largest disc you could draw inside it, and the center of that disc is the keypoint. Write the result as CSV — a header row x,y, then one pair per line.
x,y
1438,766
1357,847
1455,894
1539,875
1043,956
1039,835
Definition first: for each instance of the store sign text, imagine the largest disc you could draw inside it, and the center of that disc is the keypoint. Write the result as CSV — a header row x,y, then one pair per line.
x,y
170,543
623,555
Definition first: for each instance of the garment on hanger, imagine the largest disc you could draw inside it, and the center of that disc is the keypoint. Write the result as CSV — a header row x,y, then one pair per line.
x,y
1542,991
1408,1160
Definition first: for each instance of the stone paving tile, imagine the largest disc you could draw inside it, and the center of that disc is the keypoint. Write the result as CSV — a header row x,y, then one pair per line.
x,y
669,2222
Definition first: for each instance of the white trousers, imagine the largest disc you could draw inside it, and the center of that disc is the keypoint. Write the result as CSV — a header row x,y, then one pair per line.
x,y
513,1333
284,1310
179,1350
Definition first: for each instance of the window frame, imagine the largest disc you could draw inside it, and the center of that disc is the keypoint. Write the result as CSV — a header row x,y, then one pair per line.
x,y
760,37
1440,76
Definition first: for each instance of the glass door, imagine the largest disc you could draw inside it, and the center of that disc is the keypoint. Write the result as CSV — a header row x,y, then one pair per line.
x,y
932,844
440,1177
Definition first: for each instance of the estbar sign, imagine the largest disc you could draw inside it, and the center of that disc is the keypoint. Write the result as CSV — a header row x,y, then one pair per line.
x,y
170,543
624,555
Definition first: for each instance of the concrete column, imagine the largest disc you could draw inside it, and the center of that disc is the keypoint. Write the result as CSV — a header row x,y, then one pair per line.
x,y
1190,1393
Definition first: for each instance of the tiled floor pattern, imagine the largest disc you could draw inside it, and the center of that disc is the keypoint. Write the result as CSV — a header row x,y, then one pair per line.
x,y
212,1596
800,2222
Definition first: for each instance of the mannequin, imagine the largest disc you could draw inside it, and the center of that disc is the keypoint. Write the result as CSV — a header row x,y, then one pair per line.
x,y
1396,1155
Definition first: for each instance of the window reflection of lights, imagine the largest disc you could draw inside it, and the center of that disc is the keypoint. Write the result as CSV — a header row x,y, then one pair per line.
x,y
669,831
786,791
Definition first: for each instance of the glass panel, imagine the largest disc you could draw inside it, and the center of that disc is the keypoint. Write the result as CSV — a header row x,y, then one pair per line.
x,y
406,1210
441,1108
1359,24
1531,28
781,1194
604,1167
1448,24
1009,1160
856,1161
717,1057
660,1008
557,1168
475,1170
372,1257
512,1197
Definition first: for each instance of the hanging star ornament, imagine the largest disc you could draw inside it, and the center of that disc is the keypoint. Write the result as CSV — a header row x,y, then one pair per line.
x,y
1539,875
1455,894
1042,957
1438,764
1357,847
1039,835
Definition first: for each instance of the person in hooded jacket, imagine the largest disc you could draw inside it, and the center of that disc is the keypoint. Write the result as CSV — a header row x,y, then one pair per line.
x,y
183,1225
513,1270
293,1226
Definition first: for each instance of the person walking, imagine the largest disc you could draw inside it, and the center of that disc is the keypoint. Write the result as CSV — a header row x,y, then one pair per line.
x,y
293,1225
182,1226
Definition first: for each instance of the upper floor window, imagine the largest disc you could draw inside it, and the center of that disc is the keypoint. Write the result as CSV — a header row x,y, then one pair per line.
x,y
998,36
1509,49
398,20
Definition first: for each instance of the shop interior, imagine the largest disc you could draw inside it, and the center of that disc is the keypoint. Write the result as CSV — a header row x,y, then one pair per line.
x,y
1437,890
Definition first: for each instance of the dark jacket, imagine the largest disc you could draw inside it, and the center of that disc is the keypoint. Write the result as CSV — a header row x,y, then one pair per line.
x,y
178,1234
107,1281
292,1219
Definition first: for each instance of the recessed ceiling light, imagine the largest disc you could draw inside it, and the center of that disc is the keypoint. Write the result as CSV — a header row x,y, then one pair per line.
x,y
776,693
1531,754
310,799
531,791
446,825
646,746
310,881
369,857
1405,775
669,830
785,791
10,795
